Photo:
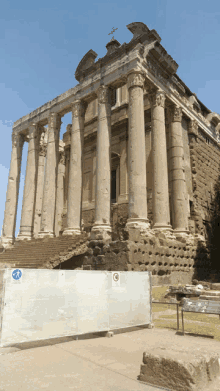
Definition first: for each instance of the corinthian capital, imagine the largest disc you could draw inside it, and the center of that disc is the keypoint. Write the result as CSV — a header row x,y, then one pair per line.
x,y
135,79
54,120
193,128
78,109
175,113
17,140
34,131
103,94
157,99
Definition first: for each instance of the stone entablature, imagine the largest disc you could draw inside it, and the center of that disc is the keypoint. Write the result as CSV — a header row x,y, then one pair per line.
x,y
145,117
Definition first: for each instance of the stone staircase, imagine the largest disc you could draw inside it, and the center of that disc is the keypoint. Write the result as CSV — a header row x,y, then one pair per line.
x,y
37,253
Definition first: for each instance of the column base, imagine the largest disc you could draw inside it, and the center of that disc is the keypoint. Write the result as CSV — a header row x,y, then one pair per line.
x,y
71,231
123,198
179,231
101,232
138,223
45,234
24,236
162,227
7,242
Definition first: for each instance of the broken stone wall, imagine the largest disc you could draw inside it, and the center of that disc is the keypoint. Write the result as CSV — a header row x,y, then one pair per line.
x,y
170,261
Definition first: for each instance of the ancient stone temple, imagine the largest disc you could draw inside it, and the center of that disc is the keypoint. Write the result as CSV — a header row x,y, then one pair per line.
x,y
130,185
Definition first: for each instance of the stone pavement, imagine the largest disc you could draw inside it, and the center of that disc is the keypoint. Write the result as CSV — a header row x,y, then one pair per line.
x,y
94,363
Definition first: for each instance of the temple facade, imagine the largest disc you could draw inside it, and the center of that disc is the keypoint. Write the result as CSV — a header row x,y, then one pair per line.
x,y
142,152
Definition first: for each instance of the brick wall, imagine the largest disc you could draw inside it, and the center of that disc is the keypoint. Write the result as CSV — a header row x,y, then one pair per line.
x,y
205,158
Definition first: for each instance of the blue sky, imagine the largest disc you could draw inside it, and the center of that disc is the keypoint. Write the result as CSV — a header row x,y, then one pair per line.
x,y
42,43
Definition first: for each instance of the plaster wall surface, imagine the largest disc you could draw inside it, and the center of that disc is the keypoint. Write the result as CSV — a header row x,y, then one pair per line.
x,y
46,304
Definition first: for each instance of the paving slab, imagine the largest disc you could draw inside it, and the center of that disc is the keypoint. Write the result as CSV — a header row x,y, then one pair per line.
x,y
91,364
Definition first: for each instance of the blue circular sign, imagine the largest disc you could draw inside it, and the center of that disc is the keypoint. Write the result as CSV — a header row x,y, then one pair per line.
x,y
16,274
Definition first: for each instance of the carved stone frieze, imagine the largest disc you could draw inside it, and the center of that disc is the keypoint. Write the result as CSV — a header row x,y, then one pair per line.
x,y
193,101
193,128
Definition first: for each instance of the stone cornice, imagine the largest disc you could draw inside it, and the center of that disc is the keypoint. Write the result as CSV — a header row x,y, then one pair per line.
x,y
175,98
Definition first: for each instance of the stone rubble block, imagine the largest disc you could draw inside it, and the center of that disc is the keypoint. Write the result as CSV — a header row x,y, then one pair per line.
x,y
179,369
215,286
209,297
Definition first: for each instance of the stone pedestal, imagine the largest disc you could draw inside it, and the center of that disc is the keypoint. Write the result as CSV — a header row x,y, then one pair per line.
x,y
50,184
74,202
29,195
177,176
160,193
101,227
9,224
136,154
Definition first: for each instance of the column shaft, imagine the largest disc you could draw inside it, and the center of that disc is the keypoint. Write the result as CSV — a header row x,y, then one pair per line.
x,y
8,229
50,183
177,176
29,195
161,210
123,194
74,202
103,167
136,154
40,182
60,191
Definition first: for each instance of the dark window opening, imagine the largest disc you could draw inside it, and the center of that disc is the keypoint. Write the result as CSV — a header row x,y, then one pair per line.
x,y
113,186
113,98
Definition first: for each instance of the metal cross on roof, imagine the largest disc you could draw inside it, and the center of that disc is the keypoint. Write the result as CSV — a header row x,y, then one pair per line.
x,y
113,30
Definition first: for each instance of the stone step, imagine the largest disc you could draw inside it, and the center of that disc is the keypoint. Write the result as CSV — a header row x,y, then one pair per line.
x,y
211,293
37,253
39,250
215,298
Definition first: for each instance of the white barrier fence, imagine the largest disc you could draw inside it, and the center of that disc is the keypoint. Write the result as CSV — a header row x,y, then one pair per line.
x,y
41,304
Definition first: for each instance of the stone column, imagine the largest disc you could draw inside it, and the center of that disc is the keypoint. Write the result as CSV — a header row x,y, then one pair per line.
x,y
60,189
177,175
193,132
101,227
40,181
123,194
9,225
30,186
136,153
74,202
93,173
160,195
50,183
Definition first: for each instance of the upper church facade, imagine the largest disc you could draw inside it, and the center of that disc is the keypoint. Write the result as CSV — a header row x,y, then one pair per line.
x,y
142,150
